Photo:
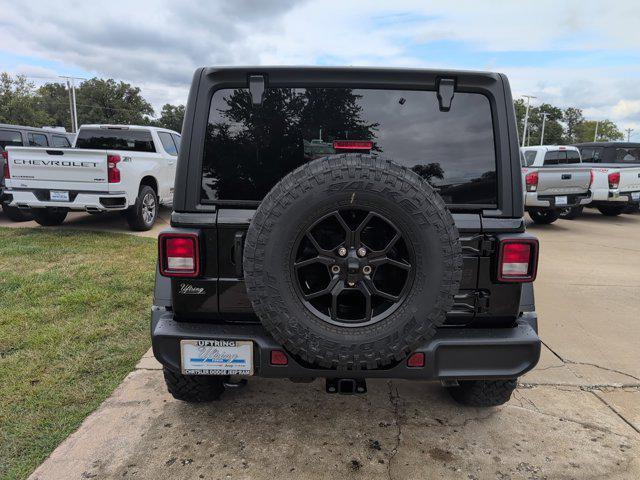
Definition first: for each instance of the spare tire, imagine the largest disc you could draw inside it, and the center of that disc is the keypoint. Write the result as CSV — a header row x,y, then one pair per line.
x,y
352,261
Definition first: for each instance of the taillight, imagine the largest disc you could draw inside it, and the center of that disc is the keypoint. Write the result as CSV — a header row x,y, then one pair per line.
x,y
614,180
531,181
352,145
591,176
113,174
5,168
518,260
179,254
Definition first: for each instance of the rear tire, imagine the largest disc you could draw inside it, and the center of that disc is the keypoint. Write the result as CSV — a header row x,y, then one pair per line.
x,y
16,214
483,393
571,213
194,388
142,215
544,217
611,210
49,217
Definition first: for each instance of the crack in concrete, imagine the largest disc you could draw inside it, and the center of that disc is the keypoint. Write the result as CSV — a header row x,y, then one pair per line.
x,y
567,362
610,407
591,426
394,401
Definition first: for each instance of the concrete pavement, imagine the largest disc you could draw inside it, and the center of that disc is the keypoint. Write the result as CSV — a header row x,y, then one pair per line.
x,y
576,416
107,222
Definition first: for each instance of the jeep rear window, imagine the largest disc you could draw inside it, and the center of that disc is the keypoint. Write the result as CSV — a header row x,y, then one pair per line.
x,y
249,148
112,139
10,138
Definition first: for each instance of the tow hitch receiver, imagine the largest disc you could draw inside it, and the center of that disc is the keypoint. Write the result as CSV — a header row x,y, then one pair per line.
x,y
346,386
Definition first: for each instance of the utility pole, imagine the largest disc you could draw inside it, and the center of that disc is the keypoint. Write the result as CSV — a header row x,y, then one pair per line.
x,y
71,85
629,130
595,135
526,117
544,120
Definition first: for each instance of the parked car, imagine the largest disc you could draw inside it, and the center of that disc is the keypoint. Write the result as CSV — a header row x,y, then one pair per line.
x,y
555,182
616,185
17,135
405,258
112,167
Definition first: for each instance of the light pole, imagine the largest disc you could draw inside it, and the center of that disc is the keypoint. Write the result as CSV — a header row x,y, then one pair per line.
x,y
629,130
71,85
544,120
595,135
526,117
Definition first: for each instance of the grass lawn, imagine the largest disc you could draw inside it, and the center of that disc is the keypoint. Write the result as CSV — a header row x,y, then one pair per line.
x,y
74,320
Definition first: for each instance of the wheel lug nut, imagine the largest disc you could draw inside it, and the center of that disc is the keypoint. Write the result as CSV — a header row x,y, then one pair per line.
x,y
366,269
342,251
335,269
362,252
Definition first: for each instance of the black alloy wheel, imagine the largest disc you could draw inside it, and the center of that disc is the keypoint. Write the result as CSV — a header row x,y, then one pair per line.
x,y
352,267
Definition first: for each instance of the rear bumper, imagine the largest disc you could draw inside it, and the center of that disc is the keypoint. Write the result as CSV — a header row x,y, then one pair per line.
x,y
532,199
93,201
454,353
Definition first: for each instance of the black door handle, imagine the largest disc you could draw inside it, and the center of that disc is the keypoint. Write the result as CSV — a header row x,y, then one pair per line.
x,y
238,250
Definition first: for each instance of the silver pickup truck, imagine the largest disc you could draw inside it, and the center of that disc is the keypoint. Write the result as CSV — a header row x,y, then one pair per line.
x,y
555,181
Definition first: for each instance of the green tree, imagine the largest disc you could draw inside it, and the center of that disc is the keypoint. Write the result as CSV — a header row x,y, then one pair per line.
x,y
54,99
19,102
607,131
107,101
171,117
572,118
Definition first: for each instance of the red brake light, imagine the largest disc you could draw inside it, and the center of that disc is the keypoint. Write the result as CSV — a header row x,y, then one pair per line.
x,y
614,180
591,176
5,169
278,357
518,260
113,174
179,254
352,145
531,181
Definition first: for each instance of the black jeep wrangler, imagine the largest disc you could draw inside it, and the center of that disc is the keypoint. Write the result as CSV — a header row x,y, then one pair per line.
x,y
347,223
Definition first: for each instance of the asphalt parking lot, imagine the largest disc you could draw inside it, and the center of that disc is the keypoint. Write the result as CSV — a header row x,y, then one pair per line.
x,y
576,416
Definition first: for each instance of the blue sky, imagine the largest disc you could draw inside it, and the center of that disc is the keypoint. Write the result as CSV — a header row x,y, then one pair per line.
x,y
579,53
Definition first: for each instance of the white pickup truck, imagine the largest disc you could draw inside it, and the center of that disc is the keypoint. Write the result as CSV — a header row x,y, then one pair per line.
x,y
111,167
555,181
616,175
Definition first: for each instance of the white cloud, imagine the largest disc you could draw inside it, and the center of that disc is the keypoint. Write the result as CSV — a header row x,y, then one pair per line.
x,y
157,45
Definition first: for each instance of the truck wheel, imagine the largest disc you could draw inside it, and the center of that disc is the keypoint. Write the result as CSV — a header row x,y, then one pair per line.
x,y
16,214
50,216
571,213
483,393
142,215
611,210
194,388
352,261
543,217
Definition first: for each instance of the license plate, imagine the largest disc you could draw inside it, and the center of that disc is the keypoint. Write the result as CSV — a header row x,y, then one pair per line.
x,y
635,195
561,200
59,196
216,357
